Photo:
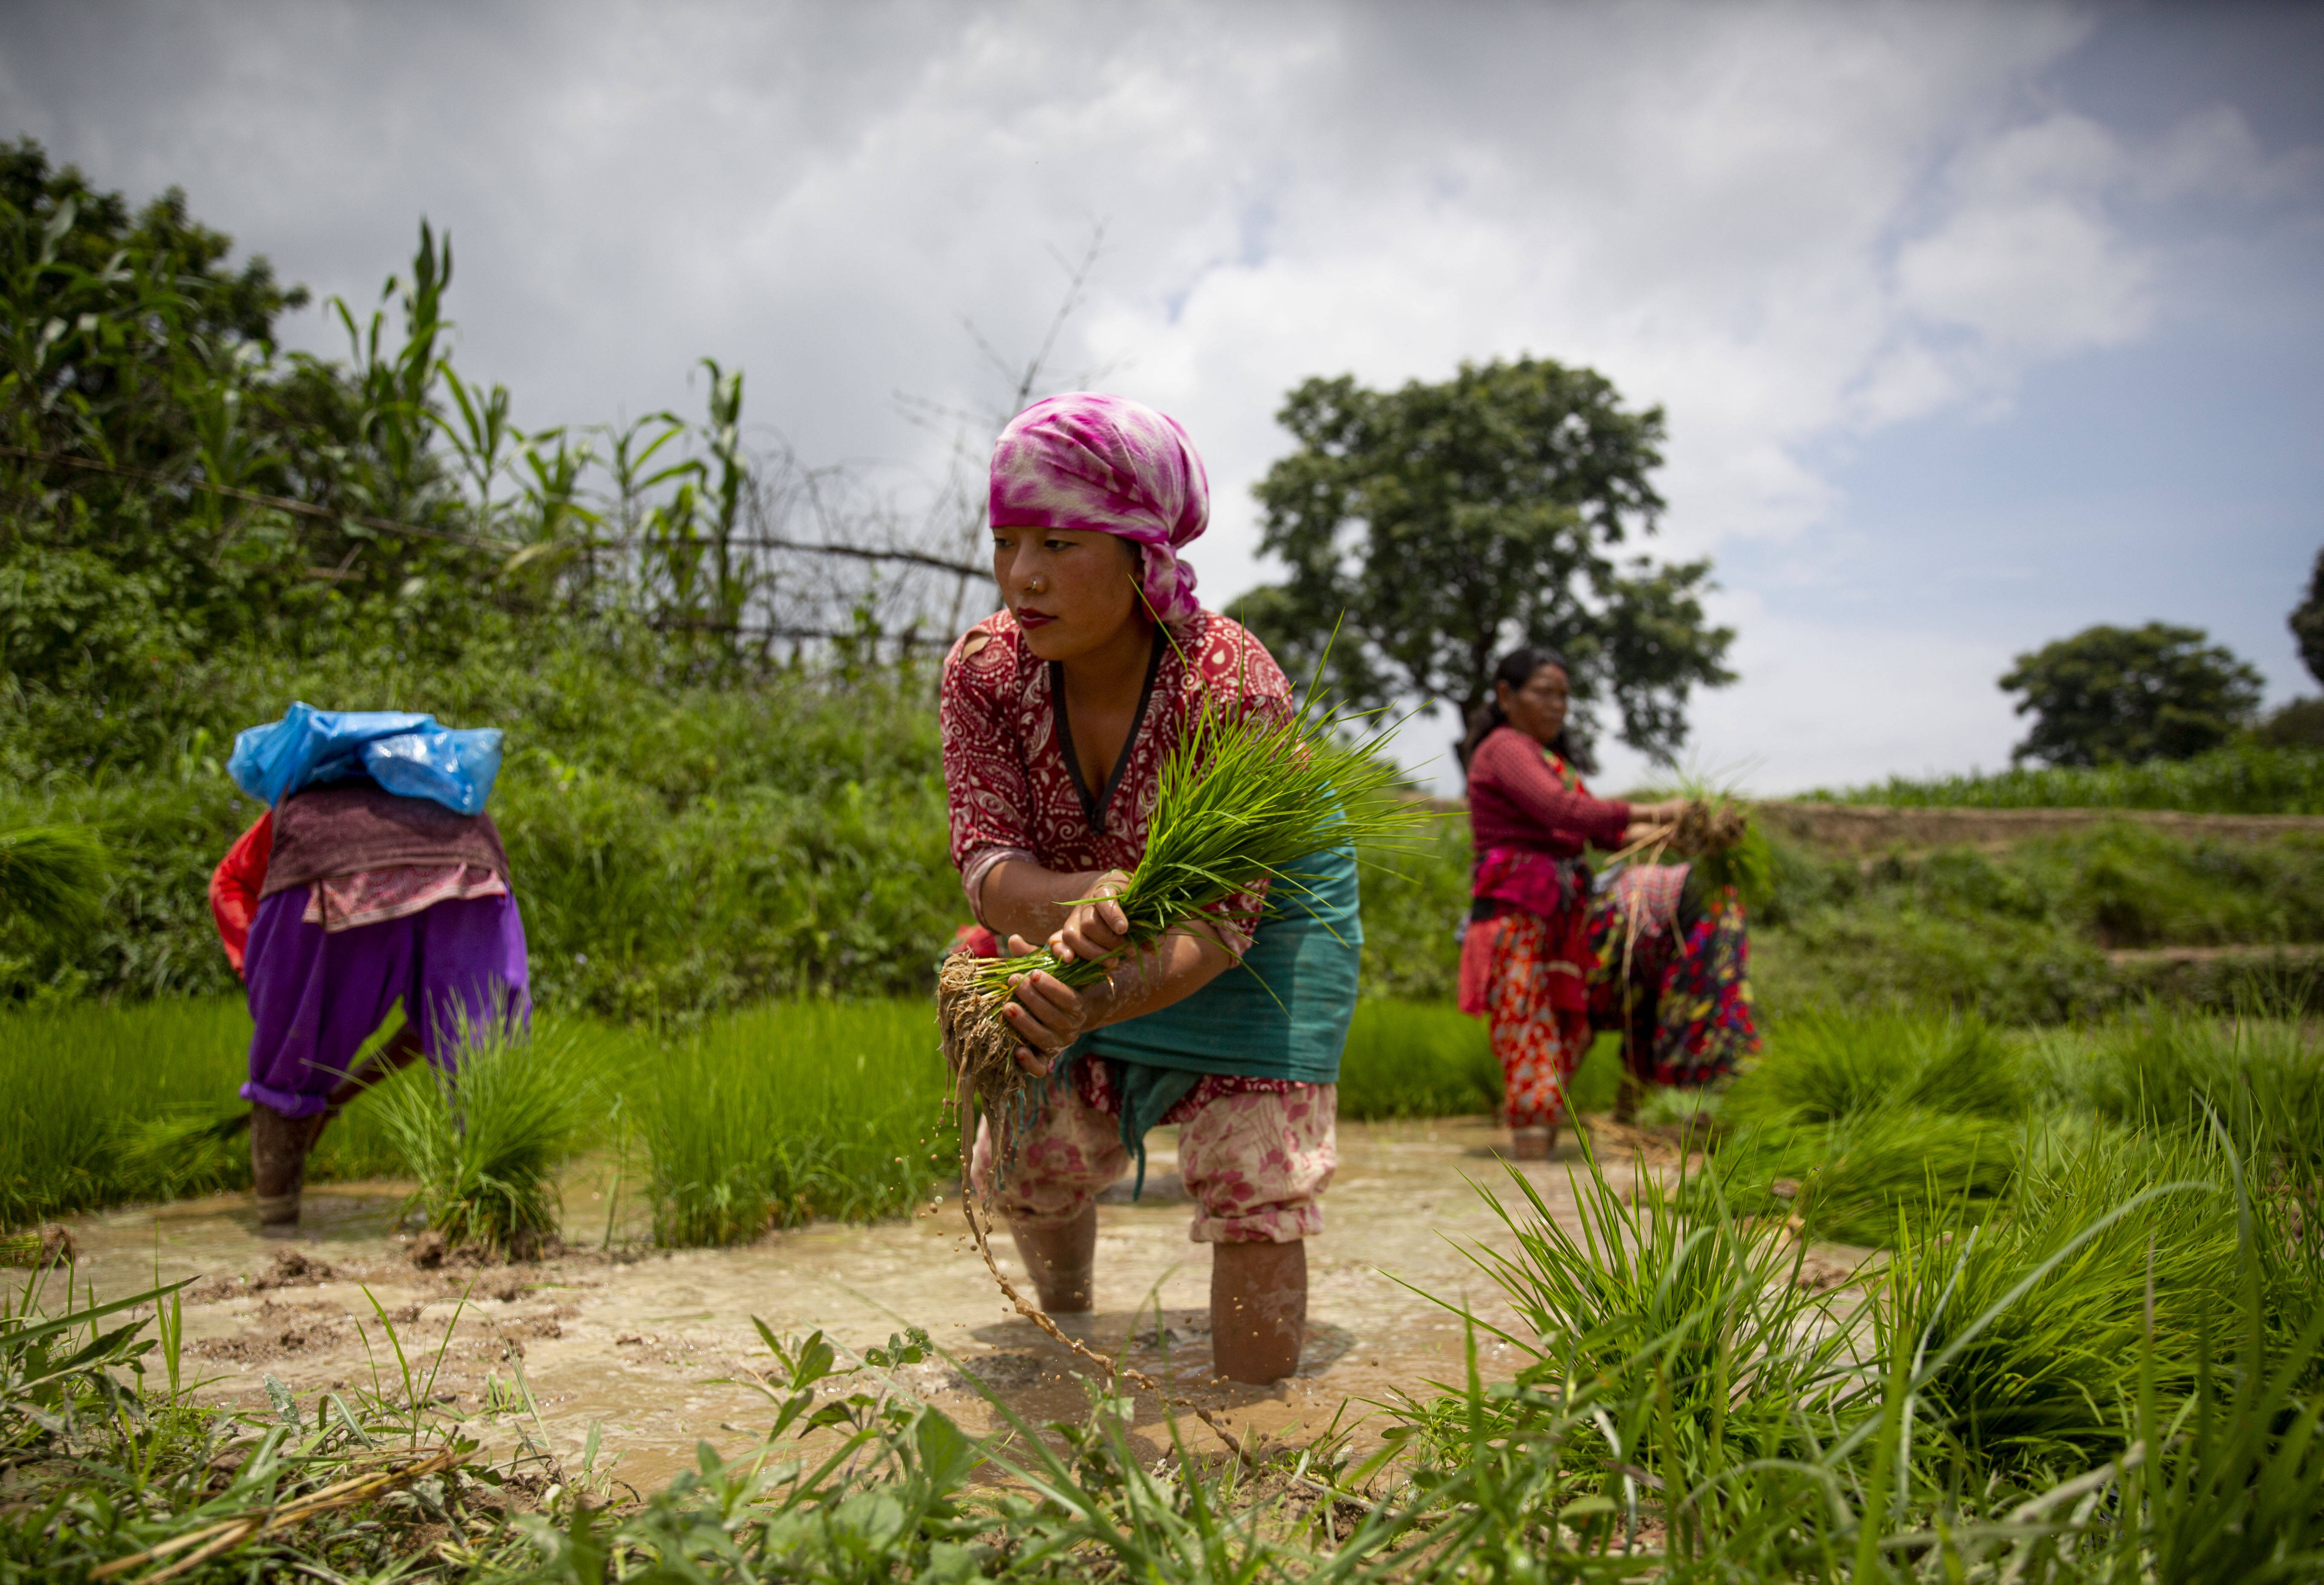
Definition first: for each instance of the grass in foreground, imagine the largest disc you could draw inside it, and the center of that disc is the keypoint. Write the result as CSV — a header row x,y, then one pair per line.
x,y
1687,1412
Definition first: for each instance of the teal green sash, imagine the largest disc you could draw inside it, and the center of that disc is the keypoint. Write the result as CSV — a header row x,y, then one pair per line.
x,y
1282,1013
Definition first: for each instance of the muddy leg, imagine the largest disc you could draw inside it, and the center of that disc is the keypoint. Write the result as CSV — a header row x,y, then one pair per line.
x,y
1060,1261
1259,1308
1532,1144
402,1049
278,1166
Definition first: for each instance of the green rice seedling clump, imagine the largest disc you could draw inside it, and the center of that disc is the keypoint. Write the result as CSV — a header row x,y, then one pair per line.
x,y
2097,1212
1855,1179
1653,1303
1858,1125
483,1142
787,1113
1818,1067
53,876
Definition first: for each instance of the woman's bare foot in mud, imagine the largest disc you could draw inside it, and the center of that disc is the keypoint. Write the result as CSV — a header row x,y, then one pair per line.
x,y
1259,1309
1061,1261
1532,1144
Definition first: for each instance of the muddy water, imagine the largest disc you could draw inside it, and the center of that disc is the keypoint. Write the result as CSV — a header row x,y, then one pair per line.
x,y
656,1346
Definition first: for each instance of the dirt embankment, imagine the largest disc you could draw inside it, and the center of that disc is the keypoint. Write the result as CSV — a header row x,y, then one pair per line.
x,y
1867,829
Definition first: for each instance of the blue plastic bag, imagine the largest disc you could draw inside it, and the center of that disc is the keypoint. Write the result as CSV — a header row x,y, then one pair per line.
x,y
410,756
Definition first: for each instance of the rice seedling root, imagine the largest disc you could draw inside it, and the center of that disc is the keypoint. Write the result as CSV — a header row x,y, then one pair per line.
x,y
980,1053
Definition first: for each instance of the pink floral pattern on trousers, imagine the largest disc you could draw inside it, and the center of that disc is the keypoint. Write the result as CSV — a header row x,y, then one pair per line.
x,y
1256,1163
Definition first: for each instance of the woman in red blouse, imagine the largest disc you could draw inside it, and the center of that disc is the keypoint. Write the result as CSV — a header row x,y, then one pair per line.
x,y
1552,952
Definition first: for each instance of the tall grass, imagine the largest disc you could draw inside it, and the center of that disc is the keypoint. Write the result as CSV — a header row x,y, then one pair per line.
x,y
790,1111
2239,779
98,1105
2047,1380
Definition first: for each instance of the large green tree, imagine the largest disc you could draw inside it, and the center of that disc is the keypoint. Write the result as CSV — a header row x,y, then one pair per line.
x,y
2119,695
2307,623
1439,525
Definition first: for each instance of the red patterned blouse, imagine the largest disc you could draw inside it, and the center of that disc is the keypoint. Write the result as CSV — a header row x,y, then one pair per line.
x,y
1008,774
1013,792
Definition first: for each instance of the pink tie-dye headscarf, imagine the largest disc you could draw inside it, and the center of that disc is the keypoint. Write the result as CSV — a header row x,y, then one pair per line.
x,y
1107,465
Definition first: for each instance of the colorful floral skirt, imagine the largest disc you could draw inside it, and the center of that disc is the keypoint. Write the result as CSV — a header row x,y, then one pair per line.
x,y
1670,977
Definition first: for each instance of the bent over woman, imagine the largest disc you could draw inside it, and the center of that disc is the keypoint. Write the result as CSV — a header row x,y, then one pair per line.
x,y
1553,953
1058,716
335,905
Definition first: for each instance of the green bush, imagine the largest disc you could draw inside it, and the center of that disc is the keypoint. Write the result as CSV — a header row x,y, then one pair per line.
x,y
676,848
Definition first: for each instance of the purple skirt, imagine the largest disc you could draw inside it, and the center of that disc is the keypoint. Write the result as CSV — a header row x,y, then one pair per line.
x,y
316,997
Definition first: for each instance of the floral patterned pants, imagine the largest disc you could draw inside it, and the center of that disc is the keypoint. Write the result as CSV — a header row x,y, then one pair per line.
x,y
1256,1162
1539,1044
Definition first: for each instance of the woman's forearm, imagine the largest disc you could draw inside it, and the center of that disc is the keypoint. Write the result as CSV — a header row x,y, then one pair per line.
x,y
1019,898
1170,970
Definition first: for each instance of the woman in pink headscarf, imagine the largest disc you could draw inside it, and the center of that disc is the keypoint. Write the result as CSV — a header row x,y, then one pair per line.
x,y
1058,713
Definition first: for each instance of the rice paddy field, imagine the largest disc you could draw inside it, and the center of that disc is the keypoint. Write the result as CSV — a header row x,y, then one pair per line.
x,y
2031,1293
772,1116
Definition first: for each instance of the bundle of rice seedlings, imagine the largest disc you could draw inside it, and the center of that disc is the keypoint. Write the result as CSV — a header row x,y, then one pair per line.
x,y
1855,1179
484,1144
1716,834
1241,801
53,876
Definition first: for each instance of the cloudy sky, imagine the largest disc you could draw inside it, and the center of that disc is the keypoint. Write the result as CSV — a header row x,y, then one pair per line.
x,y
1975,325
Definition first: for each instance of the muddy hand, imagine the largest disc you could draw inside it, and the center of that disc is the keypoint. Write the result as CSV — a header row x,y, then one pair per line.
x,y
1096,929
1044,1013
